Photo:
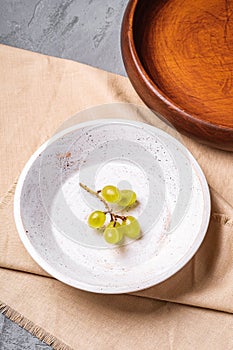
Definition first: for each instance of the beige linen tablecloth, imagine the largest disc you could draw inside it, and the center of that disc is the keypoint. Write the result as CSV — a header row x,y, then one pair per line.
x,y
191,310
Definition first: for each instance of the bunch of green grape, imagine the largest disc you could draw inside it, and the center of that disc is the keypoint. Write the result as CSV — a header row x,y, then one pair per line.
x,y
119,226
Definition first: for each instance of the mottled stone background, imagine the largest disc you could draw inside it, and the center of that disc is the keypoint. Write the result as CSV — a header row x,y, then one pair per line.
x,y
86,31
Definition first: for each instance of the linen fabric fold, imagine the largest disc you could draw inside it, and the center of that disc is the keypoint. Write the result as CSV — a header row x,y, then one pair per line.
x,y
38,93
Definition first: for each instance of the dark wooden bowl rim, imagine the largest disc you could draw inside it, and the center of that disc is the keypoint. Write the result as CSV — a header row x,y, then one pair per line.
x,y
151,84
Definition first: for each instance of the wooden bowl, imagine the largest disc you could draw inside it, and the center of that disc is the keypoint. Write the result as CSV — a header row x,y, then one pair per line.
x,y
179,57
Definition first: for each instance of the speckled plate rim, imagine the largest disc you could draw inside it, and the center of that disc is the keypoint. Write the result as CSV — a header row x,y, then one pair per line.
x,y
95,288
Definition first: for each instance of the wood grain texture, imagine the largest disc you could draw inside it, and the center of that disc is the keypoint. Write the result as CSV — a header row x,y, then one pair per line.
x,y
179,57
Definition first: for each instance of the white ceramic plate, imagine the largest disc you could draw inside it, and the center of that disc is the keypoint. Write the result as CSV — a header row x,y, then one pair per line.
x,y
51,209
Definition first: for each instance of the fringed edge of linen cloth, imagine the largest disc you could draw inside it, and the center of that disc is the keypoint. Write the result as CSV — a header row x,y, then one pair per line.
x,y
35,330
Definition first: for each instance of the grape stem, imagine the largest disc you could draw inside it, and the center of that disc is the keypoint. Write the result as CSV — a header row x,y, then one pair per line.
x,y
86,188
114,217
122,217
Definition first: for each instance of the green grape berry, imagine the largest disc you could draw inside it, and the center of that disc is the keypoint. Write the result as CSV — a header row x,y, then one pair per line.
x,y
131,227
111,194
127,198
112,234
96,219
133,198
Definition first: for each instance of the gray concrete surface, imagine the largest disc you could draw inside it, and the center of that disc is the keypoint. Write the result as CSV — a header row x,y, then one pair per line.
x,y
86,31
12,337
